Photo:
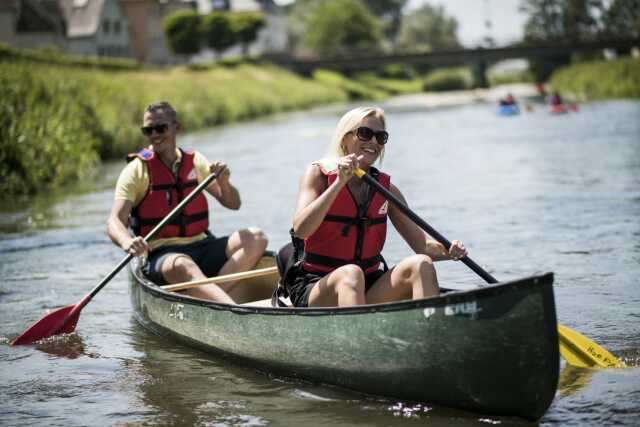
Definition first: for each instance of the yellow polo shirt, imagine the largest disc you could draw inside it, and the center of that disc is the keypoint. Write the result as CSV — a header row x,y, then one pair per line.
x,y
133,183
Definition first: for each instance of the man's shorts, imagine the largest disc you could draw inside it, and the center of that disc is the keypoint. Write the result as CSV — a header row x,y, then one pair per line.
x,y
209,254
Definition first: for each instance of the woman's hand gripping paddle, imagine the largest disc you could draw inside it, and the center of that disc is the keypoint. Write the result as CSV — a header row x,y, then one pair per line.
x,y
576,349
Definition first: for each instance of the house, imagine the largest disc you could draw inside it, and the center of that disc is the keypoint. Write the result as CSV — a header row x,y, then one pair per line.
x,y
272,38
96,27
32,24
146,19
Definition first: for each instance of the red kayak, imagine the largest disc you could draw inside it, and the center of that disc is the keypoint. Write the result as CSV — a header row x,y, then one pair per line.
x,y
562,108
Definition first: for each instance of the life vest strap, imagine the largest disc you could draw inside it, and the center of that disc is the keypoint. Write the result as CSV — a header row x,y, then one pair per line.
x,y
178,186
355,221
180,220
337,262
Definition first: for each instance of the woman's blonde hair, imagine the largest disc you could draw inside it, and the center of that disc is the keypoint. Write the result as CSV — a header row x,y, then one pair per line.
x,y
348,123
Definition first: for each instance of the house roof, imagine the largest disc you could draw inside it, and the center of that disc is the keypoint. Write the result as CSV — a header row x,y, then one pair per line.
x,y
82,16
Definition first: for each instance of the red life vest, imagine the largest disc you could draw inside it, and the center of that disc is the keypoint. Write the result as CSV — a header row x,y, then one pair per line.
x,y
349,234
165,192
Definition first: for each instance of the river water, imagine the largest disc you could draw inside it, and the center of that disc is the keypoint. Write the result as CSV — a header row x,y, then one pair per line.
x,y
526,194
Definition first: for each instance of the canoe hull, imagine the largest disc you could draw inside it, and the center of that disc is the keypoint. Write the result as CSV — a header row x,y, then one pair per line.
x,y
492,350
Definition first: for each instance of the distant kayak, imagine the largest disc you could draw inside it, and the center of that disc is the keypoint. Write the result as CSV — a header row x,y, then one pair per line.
x,y
508,110
562,108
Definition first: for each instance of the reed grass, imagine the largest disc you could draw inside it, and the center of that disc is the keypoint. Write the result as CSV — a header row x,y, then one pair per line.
x,y
599,79
58,121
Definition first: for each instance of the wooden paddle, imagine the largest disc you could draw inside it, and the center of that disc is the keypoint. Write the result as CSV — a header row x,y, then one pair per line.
x,y
225,278
64,320
576,349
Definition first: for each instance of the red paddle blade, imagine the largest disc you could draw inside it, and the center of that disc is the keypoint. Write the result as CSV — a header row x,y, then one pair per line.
x,y
60,321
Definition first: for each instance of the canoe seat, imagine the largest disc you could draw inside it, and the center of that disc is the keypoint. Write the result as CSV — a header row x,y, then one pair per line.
x,y
266,303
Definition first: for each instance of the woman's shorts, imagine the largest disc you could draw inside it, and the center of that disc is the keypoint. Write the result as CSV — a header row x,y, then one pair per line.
x,y
209,254
305,281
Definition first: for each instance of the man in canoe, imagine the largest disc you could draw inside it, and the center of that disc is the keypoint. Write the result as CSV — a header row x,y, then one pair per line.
x,y
154,182
342,223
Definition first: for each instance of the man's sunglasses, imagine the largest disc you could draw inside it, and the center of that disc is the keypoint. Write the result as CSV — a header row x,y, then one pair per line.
x,y
365,134
159,129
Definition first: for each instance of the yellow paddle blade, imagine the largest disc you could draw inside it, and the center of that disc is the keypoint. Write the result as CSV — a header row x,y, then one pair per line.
x,y
580,351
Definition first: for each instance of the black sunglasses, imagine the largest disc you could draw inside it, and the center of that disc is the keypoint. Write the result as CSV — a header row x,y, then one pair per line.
x,y
160,129
365,134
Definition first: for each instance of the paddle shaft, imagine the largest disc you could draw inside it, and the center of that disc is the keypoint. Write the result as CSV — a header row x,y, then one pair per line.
x,y
225,278
422,224
204,184
585,349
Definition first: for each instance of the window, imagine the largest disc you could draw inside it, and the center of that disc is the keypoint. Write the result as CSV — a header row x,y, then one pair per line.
x,y
117,27
106,26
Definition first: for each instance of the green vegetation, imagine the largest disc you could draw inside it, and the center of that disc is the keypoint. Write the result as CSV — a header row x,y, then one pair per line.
x,y
339,27
427,28
187,31
183,32
54,56
445,79
354,88
56,122
600,80
512,77
218,32
246,26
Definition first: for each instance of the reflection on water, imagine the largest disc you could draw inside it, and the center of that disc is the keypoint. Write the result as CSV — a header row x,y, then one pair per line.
x,y
526,195
201,386
573,379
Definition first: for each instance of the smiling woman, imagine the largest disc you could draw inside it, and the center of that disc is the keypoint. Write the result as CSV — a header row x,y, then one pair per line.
x,y
340,226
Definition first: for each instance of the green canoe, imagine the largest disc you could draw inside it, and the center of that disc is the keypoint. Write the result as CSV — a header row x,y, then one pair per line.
x,y
491,350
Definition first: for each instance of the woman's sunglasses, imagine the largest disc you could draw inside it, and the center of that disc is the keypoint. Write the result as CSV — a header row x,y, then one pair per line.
x,y
159,129
365,134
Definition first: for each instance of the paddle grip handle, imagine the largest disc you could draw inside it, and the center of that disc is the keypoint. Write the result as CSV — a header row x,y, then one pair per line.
x,y
422,224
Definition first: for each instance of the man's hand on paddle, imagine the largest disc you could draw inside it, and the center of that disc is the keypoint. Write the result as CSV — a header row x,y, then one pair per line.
x,y
136,246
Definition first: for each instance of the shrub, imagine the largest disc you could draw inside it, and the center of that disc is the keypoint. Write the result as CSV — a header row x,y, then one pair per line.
x,y
600,80
446,79
182,28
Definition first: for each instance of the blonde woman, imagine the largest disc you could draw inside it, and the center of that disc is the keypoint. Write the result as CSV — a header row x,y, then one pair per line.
x,y
342,223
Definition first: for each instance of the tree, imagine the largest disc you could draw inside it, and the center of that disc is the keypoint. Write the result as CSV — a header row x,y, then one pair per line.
x,y
555,20
559,21
182,31
390,12
217,31
622,19
343,27
246,26
428,28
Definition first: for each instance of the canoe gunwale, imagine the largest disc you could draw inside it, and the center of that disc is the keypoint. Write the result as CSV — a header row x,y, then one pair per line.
x,y
453,297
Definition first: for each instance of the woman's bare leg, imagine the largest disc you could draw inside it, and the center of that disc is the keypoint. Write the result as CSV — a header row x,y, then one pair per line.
x,y
342,287
413,278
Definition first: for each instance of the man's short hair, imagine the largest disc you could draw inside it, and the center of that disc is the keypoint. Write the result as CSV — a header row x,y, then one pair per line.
x,y
162,107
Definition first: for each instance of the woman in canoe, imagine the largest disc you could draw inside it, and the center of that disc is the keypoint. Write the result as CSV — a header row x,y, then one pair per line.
x,y
342,222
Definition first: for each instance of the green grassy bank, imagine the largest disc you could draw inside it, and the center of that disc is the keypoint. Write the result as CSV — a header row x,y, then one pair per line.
x,y
599,80
57,121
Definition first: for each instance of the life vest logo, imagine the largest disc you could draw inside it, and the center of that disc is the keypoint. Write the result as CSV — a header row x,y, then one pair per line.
x,y
192,174
384,208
